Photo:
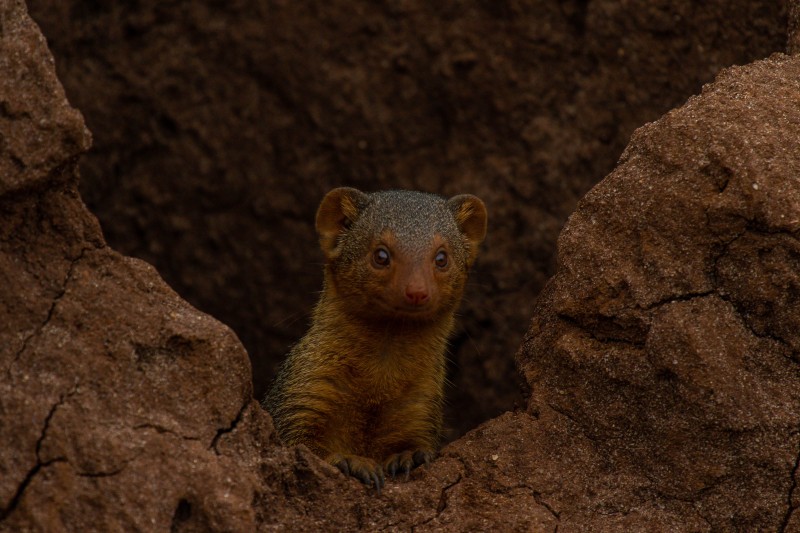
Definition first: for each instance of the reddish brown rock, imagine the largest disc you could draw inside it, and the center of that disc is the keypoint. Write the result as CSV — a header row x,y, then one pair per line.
x,y
40,132
120,404
668,337
220,125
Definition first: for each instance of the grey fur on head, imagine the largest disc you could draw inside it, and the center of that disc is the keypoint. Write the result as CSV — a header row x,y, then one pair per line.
x,y
413,217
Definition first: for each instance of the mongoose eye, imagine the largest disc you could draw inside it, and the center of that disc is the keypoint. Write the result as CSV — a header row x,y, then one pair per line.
x,y
381,257
441,259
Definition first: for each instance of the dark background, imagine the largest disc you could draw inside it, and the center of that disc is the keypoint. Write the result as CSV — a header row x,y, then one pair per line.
x,y
219,125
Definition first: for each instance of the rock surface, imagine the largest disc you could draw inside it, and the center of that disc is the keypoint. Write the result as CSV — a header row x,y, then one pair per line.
x,y
669,336
220,125
120,404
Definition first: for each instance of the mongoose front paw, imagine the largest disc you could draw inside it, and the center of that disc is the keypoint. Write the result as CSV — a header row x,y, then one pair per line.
x,y
366,470
407,461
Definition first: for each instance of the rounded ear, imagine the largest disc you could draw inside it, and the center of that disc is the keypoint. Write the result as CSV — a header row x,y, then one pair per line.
x,y
471,217
336,212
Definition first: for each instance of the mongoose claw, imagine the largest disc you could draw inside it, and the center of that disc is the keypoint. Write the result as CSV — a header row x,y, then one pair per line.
x,y
397,463
423,457
405,462
364,469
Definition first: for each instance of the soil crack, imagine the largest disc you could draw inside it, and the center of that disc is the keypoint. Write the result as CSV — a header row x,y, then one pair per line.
x,y
61,292
687,297
442,505
231,427
4,513
537,496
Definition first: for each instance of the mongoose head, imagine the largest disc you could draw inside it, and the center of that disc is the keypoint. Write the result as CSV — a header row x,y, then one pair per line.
x,y
399,254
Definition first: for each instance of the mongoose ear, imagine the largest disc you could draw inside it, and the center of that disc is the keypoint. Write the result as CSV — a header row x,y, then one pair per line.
x,y
336,212
471,217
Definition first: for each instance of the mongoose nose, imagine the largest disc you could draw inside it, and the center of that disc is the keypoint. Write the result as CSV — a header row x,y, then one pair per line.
x,y
416,295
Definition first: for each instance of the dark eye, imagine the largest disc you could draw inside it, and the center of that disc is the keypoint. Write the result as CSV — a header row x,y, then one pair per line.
x,y
381,257
441,259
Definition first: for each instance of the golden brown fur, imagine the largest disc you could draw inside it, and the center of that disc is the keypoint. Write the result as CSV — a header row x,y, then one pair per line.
x,y
364,387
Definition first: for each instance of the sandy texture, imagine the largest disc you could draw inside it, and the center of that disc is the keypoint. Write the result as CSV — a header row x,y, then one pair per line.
x,y
669,335
118,401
